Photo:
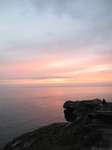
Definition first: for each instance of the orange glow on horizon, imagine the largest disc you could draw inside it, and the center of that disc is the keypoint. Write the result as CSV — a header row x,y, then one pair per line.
x,y
57,72
91,78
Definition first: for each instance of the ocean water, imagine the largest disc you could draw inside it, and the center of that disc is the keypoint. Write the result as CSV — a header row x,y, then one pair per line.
x,y
26,109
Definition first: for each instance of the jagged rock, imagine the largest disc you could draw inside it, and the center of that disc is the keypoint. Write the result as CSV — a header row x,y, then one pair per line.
x,y
93,108
76,109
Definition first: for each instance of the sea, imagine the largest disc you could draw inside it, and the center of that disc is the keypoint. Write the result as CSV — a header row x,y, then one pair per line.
x,y
24,109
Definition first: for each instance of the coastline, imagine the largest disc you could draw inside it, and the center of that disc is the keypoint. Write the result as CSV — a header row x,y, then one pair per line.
x,y
82,134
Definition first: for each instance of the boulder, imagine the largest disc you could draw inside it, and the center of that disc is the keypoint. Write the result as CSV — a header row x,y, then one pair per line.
x,y
76,109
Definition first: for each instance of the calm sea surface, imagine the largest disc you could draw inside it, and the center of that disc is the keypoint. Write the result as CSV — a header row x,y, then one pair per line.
x,y
26,109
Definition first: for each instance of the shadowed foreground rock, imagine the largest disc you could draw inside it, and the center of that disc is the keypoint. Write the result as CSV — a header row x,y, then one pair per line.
x,y
90,128
76,109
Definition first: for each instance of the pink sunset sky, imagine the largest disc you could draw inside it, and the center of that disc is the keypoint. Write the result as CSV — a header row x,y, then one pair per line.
x,y
55,42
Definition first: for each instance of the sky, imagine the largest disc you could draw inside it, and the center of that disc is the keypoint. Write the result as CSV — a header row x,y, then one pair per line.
x,y
55,42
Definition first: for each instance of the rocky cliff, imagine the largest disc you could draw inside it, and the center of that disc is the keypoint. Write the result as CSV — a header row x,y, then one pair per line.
x,y
88,127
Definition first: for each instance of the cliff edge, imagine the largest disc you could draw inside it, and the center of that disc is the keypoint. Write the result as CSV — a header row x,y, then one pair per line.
x,y
88,127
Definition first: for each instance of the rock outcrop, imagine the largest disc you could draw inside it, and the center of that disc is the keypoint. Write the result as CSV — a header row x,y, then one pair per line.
x,y
88,127
76,109
99,120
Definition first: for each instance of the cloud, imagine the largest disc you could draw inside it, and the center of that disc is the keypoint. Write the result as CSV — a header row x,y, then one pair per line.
x,y
47,39
44,24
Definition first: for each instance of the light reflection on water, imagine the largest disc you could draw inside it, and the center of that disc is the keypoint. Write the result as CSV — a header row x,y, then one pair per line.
x,y
25,109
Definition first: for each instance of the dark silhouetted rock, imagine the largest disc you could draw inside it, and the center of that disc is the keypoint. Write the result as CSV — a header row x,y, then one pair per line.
x,y
76,109
89,128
